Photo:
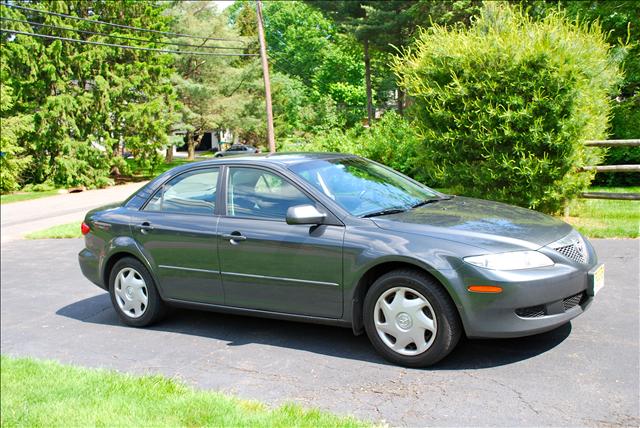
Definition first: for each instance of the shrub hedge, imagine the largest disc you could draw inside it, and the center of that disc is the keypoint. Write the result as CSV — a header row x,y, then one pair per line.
x,y
504,106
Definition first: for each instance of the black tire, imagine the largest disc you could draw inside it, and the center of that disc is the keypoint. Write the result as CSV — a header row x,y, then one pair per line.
x,y
155,309
448,329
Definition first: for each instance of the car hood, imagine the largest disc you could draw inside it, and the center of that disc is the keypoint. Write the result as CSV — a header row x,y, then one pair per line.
x,y
479,223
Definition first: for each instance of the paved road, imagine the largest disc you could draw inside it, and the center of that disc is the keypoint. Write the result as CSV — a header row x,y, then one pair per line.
x,y
19,218
585,373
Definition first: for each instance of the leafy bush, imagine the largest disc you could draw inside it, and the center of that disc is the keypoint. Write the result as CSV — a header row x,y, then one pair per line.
x,y
391,141
47,186
504,106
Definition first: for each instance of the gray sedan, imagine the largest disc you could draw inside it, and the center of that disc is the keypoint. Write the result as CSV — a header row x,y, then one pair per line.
x,y
340,240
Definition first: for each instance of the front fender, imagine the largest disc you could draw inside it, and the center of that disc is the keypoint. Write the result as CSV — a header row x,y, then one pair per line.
x,y
371,252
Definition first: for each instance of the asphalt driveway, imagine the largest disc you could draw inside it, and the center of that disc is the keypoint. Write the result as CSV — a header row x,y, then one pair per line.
x,y
585,373
20,218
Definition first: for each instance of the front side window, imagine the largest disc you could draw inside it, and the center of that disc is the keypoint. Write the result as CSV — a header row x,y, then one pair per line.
x,y
193,192
363,187
253,192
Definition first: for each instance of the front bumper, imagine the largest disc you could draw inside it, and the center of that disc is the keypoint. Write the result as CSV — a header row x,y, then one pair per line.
x,y
532,301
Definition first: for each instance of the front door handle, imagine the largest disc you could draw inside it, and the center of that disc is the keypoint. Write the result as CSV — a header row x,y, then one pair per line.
x,y
145,228
234,237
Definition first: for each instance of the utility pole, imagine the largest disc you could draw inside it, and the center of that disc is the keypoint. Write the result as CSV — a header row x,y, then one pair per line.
x,y
267,81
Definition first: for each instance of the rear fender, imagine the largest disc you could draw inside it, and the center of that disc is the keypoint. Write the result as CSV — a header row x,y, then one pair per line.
x,y
127,245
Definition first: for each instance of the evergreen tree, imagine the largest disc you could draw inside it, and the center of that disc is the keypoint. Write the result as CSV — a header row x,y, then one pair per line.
x,y
87,102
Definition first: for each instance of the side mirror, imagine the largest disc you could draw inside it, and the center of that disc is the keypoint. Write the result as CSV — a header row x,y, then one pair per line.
x,y
305,214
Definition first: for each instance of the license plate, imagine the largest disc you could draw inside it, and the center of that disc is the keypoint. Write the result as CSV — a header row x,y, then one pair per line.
x,y
596,280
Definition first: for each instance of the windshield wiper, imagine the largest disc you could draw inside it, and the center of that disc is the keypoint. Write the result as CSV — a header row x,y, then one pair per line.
x,y
384,212
430,201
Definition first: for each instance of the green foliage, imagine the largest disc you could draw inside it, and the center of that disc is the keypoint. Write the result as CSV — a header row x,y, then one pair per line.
x,y
620,21
296,113
391,141
83,101
453,12
216,91
505,105
304,46
13,126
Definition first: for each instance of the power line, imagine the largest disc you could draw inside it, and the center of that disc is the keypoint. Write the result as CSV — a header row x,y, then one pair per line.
x,y
67,39
111,24
135,39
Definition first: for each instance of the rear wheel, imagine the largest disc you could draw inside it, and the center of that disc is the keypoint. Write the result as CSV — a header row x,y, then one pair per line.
x,y
410,319
133,293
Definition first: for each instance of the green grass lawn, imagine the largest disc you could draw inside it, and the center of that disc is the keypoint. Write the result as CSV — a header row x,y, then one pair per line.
x,y
42,393
600,218
25,196
61,231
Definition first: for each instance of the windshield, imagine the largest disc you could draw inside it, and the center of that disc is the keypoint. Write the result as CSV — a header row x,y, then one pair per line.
x,y
362,187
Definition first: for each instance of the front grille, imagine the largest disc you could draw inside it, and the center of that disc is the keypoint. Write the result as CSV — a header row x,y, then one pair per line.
x,y
531,311
572,301
574,252
572,247
552,308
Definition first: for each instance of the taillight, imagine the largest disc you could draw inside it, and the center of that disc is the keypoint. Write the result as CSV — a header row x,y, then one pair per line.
x,y
84,228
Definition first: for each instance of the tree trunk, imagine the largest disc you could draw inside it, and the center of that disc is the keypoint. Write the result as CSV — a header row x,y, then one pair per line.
x,y
191,147
169,155
117,152
367,74
192,143
401,96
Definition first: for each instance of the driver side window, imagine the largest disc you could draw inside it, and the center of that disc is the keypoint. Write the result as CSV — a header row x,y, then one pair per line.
x,y
253,192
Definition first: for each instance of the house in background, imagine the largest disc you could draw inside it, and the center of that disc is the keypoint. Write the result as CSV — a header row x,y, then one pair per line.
x,y
211,141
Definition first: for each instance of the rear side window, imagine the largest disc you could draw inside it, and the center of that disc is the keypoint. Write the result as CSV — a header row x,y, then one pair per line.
x,y
258,193
193,192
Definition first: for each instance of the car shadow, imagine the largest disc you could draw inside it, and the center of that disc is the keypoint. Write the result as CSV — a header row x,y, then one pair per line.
x,y
333,341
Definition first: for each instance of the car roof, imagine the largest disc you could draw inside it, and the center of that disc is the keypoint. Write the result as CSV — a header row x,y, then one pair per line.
x,y
285,159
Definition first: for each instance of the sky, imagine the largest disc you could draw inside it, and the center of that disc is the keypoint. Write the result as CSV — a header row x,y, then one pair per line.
x,y
223,4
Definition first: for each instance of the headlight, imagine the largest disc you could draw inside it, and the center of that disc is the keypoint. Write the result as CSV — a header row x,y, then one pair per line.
x,y
510,261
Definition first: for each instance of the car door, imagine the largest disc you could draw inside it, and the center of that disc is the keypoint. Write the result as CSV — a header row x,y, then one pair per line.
x,y
177,228
269,265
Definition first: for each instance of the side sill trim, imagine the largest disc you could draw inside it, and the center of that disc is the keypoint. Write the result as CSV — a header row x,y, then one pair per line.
x,y
260,313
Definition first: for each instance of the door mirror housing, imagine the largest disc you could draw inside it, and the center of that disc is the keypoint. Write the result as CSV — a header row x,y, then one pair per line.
x,y
305,214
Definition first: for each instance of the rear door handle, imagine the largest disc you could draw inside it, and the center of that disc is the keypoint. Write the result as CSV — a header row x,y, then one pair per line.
x,y
146,227
234,237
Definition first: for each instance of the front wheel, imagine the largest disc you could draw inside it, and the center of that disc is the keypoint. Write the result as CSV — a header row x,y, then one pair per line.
x,y
410,319
133,293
